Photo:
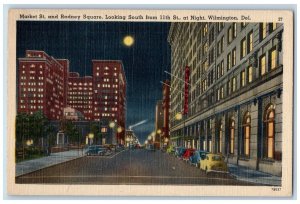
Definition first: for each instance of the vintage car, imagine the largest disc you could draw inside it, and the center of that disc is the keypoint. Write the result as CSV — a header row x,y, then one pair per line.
x,y
180,152
195,159
96,150
170,149
213,163
187,154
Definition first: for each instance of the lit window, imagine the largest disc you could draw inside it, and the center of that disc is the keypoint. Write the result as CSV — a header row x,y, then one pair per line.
x,y
234,30
263,65
233,84
243,81
233,57
273,58
250,42
243,48
229,35
229,61
246,133
231,144
263,30
269,125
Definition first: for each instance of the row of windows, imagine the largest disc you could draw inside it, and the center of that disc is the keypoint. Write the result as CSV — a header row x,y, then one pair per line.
x,y
105,68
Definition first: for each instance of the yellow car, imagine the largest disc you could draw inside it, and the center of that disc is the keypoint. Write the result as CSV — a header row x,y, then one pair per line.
x,y
213,163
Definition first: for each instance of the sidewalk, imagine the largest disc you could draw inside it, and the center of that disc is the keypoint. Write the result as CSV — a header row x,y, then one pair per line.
x,y
40,163
245,174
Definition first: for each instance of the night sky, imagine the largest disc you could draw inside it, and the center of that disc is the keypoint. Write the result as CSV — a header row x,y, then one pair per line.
x,y
80,42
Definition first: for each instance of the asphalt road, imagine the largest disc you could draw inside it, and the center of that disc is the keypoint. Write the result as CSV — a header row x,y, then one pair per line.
x,y
128,167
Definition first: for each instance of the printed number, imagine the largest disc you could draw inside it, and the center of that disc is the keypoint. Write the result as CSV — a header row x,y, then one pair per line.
x,y
276,189
279,18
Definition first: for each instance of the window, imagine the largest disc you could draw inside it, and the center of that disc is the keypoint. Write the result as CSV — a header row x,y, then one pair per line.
x,y
243,81
263,30
222,68
234,30
243,48
250,74
246,133
229,87
234,57
222,92
229,35
228,61
272,27
233,84
262,63
273,58
232,130
220,138
218,94
243,25
205,29
269,137
250,42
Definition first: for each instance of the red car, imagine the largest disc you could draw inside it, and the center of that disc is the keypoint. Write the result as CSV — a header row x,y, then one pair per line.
x,y
188,153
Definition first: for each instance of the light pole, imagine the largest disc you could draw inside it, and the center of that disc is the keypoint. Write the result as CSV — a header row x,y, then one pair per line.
x,y
91,136
159,135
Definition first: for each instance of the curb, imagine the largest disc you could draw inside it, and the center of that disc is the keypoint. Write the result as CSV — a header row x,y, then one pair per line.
x,y
51,165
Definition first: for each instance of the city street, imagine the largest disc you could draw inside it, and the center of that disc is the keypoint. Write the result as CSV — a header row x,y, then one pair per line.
x,y
128,167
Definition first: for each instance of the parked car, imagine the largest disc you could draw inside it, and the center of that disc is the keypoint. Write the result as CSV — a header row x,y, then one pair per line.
x,y
181,152
187,154
195,159
213,163
170,149
96,150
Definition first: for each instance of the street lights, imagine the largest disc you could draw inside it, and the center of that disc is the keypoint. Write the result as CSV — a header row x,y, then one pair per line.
x,y
91,136
179,116
159,135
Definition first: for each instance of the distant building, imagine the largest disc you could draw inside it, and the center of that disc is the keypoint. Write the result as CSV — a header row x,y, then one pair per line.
x,y
45,83
41,84
110,93
166,109
235,95
80,94
159,120
130,138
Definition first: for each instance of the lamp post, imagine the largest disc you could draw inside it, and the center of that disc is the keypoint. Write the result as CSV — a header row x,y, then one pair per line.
x,y
159,135
179,116
91,136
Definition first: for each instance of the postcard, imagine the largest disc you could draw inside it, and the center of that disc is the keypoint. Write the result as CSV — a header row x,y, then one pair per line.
x,y
150,102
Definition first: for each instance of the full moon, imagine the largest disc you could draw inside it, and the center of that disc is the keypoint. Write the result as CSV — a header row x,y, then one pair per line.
x,y
128,41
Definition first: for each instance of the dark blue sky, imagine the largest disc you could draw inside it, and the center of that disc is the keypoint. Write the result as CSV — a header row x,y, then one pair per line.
x,y
80,42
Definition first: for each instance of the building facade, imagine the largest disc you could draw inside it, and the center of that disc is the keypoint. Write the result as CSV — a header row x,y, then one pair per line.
x,y
80,94
159,120
110,93
46,84
166,110
41,84
235,91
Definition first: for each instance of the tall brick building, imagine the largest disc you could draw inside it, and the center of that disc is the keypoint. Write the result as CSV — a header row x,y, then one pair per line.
x,y
80,94
41,84
46,84
110,92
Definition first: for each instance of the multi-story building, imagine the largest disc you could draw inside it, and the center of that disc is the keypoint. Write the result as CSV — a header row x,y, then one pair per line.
x,y
166,109
159,121
235,91
80,94
46,84
110,93
41,84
